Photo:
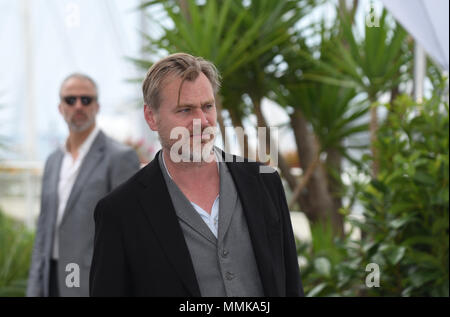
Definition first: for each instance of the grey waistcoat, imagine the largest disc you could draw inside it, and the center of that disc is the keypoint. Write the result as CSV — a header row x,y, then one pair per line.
x,y
224,266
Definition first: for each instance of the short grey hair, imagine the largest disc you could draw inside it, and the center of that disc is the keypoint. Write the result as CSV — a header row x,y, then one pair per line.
x,y
182,65
79,76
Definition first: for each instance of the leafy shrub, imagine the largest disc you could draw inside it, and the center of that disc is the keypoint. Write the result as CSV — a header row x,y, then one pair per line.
x,y
407,206
406,214
16,244
331,269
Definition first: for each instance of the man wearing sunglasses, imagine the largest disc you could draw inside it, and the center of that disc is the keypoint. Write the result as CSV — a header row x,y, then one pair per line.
x,y
76,177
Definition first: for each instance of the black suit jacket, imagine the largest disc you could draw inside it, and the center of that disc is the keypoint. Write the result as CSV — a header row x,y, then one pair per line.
x,y
140,248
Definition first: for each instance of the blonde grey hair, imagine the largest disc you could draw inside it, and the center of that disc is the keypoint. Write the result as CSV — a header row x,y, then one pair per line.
x,y
181,65
79,76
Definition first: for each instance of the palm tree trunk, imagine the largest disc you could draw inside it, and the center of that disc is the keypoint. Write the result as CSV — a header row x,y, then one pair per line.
x,y
305,179
220,122
236,121
282,165
316,200
184,7
334,164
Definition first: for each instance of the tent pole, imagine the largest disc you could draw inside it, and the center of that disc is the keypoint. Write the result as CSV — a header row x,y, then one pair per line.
x,y
29,108
419,71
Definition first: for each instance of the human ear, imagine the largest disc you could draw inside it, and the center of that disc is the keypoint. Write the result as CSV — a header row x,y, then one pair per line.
x,y
151,117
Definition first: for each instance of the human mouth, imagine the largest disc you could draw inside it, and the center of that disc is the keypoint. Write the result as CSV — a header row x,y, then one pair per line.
x,y
79,116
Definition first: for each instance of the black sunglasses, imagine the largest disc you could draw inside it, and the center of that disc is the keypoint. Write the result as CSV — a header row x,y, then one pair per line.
x,y
85,100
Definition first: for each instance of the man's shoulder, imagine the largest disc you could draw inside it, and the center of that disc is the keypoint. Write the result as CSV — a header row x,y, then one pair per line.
x,y
131,188
250,166
54,156
58,151
246,168
126,190
113,146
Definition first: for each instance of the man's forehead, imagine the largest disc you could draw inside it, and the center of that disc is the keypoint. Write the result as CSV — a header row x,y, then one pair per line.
x,y
200,84
77,83
173,86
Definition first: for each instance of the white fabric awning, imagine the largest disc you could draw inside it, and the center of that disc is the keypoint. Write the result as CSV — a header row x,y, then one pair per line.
x,y
428,22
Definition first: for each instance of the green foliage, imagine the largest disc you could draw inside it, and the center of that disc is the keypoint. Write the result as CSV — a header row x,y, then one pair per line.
x,y
16,244
406,214
224,32
334,112
407,206
334,266
191,30
372,63
240,39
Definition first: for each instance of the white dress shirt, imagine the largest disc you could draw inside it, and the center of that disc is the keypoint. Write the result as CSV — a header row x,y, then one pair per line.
x,y
211,220
70,169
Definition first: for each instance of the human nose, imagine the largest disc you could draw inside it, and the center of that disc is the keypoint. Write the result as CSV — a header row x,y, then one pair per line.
x,y
78,104
202,116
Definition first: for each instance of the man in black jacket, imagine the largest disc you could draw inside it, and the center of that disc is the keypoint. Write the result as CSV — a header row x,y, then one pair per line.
x,y
195,221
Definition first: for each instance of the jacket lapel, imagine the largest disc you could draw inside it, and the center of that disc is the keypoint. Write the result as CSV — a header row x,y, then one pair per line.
x,y
227,202
158,208
93,157
190,217
252,199
183,207
50,186
53,181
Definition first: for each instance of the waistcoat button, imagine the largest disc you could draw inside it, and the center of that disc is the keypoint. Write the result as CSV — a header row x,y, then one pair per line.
x,y
229,276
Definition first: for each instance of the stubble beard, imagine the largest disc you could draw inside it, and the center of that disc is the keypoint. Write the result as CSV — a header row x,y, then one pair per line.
x,y
77,127
198,151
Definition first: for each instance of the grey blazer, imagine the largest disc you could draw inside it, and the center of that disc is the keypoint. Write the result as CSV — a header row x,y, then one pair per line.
x,y
106,165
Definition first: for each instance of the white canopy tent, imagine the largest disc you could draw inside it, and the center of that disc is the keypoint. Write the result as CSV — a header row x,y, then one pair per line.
x,y
428,22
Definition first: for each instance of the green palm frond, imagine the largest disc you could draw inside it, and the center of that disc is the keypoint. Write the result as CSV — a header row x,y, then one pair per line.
x,y
373,64
240,39
328,103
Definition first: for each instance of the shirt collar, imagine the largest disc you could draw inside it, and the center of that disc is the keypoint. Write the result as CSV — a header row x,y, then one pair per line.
x,y
167,170
84,148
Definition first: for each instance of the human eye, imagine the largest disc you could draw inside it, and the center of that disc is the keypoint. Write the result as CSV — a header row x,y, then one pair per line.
x,y
184,110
